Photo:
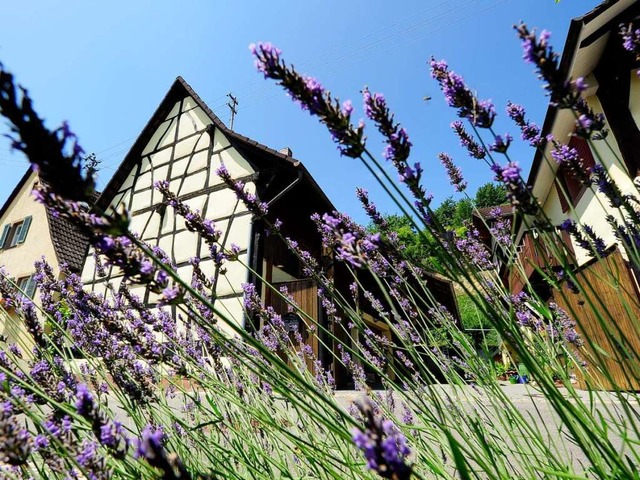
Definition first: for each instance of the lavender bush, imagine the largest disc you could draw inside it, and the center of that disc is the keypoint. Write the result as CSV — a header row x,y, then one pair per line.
x,y
104,387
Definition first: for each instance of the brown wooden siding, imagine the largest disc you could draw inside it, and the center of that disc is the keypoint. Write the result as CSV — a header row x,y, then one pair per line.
x,y
305,295
612,342
534,254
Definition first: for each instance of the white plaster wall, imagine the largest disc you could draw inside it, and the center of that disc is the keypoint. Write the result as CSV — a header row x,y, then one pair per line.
x,y
19,261
188,174
593,207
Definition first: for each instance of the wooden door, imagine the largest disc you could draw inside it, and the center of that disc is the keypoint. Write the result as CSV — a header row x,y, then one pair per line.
x,y
305,295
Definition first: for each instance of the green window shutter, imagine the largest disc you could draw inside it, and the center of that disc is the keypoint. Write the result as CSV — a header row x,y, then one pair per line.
x,y
22,234
5,234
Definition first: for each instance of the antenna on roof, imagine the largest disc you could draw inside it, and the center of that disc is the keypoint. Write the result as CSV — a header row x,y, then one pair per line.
x,y
232,104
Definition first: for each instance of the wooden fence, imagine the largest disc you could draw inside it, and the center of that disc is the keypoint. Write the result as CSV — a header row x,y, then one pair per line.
x,y
608,317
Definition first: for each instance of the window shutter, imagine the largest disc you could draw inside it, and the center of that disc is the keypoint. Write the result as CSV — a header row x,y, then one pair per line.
x,y
5,234
582,146
30,287
22,234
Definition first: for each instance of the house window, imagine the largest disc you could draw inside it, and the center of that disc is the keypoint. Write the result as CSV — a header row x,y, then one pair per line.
x,y
15,233
27,285
573,188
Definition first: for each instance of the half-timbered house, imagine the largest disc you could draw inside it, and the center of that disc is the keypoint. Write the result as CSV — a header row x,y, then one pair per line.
x,y
184,143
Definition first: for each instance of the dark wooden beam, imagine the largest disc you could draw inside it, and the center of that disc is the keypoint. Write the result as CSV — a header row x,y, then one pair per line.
x,y
614,76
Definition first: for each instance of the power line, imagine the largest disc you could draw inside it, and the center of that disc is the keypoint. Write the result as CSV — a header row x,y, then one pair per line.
x,y
350,50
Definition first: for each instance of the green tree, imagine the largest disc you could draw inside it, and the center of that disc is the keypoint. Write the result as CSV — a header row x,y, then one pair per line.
x,y
463,213
416,247
446,213
490,195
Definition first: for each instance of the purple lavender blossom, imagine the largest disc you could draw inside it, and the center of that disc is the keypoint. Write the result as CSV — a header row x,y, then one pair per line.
x,y
569,159
586,239
457,95
352,245
384,446
501,143
454,172
608,187
631,39
15,442
466,140
398,145
312,96
250,200
563,92
474,250
267,57
530,132
518,193
370,208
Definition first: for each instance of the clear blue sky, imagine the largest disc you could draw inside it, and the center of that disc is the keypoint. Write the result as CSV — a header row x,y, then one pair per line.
x,y
105,66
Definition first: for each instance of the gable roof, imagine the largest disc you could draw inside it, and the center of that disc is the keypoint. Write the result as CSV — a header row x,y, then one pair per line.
x,y
14,193
178,91
69,244
580,55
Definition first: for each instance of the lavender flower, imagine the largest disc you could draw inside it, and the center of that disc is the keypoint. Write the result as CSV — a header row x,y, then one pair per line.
x,y
518,193
480,113
631,39
311,96
151,447
474,251
352,244
384,447
454,172
501,143
194,222
593,244
371,209
466,140
608,187
569,158
563,93
250,200
530,132
398,146
15,442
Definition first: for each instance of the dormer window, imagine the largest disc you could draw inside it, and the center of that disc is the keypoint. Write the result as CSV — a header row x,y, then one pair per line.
x,y
14,234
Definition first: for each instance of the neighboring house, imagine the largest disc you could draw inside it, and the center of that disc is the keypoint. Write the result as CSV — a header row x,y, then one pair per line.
x,y
27,234
594,51
185,143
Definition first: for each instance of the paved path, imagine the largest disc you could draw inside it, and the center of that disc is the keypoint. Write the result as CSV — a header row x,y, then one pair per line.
x,y
534,407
